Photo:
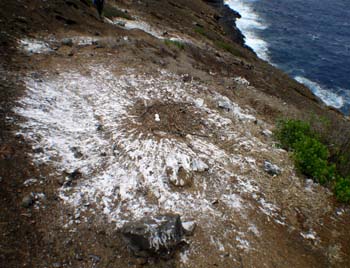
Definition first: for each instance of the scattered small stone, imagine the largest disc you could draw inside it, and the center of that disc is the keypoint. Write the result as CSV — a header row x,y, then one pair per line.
x,y
28,201
120,23
266,133
76,152
156,118
99,127
67,42
186,78
199,102
79,257
181,177
57,265
94,258
30,182
189,227
75,174
271,168
38,150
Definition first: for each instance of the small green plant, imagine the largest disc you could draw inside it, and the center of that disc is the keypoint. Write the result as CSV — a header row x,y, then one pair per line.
x,y
342,189
176,43
229,48
200,30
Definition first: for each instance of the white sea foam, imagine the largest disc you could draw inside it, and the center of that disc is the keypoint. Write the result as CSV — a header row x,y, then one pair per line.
x,y
326,95
250,24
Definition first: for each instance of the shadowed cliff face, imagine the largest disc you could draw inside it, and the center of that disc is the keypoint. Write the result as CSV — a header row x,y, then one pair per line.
x,y
153,125
227,19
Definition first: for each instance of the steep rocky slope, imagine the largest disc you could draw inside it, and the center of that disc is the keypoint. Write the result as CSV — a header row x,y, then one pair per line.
x,y
113,129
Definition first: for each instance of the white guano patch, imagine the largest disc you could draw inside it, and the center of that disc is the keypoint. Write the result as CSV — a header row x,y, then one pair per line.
x,y
33,46
82,122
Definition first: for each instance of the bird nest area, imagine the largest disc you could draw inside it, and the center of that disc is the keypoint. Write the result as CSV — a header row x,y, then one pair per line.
x,y
167,119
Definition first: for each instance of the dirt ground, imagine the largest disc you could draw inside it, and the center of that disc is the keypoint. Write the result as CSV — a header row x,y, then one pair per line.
x,y
293,227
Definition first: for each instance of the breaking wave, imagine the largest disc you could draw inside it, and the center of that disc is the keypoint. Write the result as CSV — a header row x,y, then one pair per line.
x,y
339,99
250,24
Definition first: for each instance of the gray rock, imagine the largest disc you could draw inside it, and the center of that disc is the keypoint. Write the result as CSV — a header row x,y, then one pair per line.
x,y
189,227
57,265
271,168
67,42
120,23
154,236
94,258
28,201
266,133
225,103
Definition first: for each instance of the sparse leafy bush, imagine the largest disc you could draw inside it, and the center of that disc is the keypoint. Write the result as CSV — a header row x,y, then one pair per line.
x,y
176,43
311,156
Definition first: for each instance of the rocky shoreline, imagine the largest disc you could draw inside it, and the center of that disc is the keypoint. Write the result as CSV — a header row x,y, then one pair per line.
x,y
227,21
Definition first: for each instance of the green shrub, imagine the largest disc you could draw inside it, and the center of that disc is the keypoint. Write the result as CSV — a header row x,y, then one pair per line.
x,y
342,189
176,43
289,132
311,158
310,155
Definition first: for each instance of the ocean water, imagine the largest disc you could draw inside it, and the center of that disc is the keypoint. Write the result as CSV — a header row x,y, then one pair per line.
x,y
308,39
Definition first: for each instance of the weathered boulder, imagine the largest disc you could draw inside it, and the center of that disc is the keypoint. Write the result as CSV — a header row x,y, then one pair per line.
x,y
271,168
154,236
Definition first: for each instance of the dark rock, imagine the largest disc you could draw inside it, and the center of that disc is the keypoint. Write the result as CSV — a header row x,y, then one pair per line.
x,y
28,201
67,42
154,236
94,258
99,127
38,150
271,168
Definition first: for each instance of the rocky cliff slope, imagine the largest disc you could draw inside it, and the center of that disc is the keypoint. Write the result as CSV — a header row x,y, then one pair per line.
x,y
145,139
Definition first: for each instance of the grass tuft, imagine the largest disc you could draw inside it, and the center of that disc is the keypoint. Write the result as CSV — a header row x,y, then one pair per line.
x,y
178,44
